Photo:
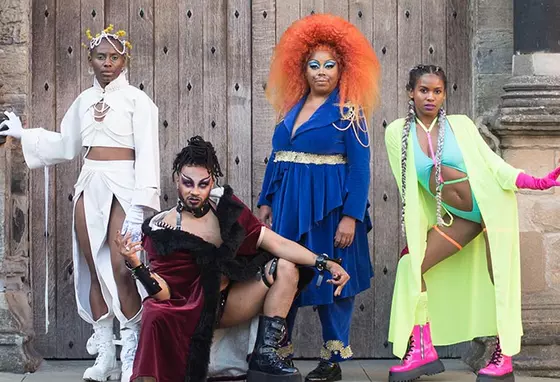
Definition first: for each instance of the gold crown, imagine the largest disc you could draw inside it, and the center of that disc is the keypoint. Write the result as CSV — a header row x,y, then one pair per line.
x,y
108,35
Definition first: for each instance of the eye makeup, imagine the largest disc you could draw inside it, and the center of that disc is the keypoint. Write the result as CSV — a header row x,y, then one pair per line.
x,y
189,182
315,64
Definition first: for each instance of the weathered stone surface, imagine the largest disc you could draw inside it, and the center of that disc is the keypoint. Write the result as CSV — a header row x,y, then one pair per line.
x,y
494,51
16,351
537,162
14,24
496,15
532,262
525,205
16,318
536,64
13,69
546,215
489,89
551,247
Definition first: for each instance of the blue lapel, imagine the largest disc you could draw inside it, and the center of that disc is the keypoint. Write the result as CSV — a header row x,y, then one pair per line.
x,y
327,113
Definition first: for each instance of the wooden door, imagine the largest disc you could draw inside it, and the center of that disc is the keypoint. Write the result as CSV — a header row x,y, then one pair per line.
x,y
205,64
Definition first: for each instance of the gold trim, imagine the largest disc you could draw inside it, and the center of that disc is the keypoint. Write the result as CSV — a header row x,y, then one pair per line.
x,y
286,351
308,158
336,347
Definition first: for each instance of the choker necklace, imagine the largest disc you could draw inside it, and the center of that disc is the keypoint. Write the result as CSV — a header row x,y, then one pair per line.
x,y
196,212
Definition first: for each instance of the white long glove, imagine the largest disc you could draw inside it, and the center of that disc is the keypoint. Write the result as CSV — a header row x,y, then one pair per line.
x,y
133,223
12,126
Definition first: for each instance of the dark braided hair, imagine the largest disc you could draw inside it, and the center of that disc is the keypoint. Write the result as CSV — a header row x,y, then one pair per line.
x,y
198,152
414,75
419,70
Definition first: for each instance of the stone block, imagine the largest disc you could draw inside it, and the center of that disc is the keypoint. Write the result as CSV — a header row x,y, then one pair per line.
x,y
536,64
490,88
525,205
551,247
14,69
535,161
494,49
17,102
532,262
495,16
16,333
14,21
546,215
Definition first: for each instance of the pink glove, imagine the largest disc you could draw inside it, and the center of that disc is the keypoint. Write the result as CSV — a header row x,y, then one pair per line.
x,y
532,183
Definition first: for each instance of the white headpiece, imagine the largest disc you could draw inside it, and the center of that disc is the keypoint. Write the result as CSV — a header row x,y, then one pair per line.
x,y
110,37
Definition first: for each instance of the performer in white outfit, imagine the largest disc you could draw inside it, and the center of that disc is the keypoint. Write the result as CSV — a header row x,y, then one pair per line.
x,y
116,125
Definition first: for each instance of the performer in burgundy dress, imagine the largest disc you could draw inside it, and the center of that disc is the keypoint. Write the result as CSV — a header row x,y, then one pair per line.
x,y
214,264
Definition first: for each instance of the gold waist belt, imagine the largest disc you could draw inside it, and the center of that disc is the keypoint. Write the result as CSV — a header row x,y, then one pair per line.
x,y
307,158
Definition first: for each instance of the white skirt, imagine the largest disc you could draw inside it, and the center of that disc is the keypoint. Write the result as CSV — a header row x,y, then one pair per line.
x,y
98,183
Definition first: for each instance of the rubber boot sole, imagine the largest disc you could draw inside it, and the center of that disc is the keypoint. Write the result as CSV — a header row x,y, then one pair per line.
x,y
431,368
490,378
337,377
114,376
259,376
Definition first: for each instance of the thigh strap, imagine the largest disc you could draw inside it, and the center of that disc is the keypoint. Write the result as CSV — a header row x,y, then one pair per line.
x,y
271,271
448,238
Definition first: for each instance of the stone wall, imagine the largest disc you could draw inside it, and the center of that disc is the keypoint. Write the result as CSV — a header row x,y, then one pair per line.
x,y
16,318
492,43
529,129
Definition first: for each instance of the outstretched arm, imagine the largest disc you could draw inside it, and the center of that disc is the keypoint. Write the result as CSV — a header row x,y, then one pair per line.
x,y
297,254
530,182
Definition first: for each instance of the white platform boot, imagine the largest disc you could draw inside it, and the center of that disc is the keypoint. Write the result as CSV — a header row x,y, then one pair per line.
x,y
130,332
102,343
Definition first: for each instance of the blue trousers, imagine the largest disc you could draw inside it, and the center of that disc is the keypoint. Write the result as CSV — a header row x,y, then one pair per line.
x,y
336,319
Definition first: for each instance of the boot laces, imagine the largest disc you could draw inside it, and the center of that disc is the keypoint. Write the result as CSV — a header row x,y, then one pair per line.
x,y
410,348
128,351
497,356
102,352
323,366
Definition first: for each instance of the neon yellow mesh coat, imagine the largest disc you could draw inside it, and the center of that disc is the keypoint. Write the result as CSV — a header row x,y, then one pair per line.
x,y
462,301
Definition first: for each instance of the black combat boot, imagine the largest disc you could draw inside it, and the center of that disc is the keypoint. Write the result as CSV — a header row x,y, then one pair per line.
x,y
265,364
325,372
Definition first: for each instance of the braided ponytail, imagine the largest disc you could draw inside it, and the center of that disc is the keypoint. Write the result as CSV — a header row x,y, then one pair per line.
x,y
410,118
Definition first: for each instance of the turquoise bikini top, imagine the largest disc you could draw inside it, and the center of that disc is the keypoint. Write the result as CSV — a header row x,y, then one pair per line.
x,y
451,156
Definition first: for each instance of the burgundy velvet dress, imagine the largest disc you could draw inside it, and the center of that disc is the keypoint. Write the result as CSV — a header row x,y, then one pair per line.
x,y
176,334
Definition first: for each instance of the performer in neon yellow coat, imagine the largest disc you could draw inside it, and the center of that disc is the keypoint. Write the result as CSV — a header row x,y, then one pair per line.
x,y
460,220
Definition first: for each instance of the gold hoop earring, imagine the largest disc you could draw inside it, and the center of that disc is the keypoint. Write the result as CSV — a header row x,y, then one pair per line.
x,y
90,71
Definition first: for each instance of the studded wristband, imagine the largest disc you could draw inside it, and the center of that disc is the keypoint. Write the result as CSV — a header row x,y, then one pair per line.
x,y
142,274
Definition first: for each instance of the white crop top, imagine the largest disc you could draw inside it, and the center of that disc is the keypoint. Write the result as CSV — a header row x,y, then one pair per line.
x,y
131,122
113,131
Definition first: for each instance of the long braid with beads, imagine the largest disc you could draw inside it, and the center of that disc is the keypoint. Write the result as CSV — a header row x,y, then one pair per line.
x,y
410,117
439,154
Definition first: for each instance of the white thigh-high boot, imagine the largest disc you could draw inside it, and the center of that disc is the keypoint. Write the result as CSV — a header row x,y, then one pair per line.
x,y
102,343
130,331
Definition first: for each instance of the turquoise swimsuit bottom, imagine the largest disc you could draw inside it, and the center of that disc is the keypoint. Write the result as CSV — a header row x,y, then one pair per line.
x,y
451,157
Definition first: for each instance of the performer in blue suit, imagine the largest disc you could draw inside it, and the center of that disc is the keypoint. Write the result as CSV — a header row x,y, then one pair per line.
x,y
323,84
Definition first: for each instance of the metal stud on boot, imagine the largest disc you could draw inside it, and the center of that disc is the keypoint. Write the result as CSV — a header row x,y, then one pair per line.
x,y
421,358
101,343
499,368
265,364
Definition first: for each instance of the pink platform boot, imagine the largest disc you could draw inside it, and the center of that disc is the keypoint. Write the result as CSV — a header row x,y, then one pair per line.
x,y
421,359
499,368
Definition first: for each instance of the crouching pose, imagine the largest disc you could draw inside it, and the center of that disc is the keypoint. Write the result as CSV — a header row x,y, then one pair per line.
x,y
215,265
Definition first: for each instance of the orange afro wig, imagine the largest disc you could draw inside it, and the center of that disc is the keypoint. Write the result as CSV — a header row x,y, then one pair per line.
x,y
360,70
